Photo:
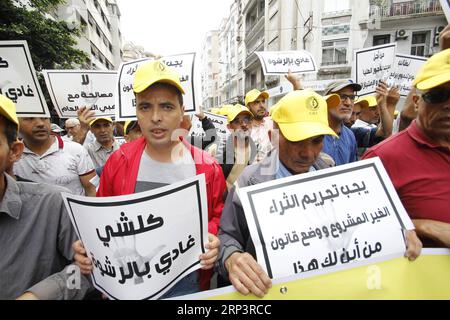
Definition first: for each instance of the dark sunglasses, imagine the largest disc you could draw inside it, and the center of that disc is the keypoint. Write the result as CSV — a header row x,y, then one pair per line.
x,y
438,95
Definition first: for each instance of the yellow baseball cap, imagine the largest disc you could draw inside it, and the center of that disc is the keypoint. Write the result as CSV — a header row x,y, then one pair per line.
x,y
223,111
129,124
302,114
8,109
254,94
236,110
105,118
215,110
367,101
434,72
152,72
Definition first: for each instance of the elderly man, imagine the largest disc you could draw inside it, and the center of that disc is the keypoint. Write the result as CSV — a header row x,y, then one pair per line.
x,y
301,118
342,148
255,101
72,127
76,132
418,159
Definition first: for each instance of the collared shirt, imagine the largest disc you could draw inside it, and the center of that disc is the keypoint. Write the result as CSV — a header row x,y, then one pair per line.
x,y
100,154
363,124
62,164
342,149
260,135
36,235
420,172
283,172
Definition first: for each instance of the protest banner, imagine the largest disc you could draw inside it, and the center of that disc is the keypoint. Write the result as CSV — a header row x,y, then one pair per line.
x,y
370,65
18,80
126,102
445,4
72,89
220,122
426,278
141,245
404,73
325,219
280,62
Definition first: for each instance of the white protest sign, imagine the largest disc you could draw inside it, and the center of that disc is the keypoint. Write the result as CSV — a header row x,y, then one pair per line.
x,y
372,65
220,123
141,245
404,73
126,101
445,4
280,62
325,219
72,89
18,80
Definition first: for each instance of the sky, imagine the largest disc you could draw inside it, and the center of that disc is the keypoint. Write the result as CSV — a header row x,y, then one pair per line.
x,y
167,27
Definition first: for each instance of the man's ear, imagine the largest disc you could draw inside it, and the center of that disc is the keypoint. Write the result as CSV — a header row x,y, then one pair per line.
x,y
16,150
182,113
416,99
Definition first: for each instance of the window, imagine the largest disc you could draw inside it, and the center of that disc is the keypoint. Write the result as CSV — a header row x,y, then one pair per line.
x,y
253,80
91,20
334,6
419,44
334,52
261,8
381,39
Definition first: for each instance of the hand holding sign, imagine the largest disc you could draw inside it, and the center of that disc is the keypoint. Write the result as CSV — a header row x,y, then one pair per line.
x,y
208,259
246,274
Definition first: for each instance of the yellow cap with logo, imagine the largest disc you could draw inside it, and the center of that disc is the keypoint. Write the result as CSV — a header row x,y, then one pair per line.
x,y
8,109
102,118
152,72
434,72
254,94
236,110
302,114
367,101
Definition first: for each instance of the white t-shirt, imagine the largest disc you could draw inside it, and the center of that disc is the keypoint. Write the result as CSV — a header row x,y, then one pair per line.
x,y
62,164
154,174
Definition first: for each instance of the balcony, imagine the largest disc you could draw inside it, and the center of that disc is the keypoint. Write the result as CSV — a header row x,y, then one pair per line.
x,y
407,9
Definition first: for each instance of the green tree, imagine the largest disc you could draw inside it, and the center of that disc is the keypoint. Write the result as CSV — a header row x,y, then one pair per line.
x,y
51,42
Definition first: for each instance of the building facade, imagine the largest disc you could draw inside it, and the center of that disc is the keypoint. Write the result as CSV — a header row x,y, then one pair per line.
x,y
330,30
99,21
210,56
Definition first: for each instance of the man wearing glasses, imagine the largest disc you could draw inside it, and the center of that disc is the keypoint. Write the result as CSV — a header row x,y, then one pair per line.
x,y
342,148
418,159
240,150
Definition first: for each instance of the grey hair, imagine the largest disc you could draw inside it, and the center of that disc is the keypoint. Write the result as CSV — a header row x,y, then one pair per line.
x,y
72,121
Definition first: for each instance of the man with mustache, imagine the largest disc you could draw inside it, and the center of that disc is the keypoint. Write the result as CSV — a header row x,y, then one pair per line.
x,y
300,118
342,148
418,158
50,159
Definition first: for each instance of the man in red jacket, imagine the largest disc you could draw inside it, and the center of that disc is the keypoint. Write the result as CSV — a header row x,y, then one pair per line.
x,y
162,157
